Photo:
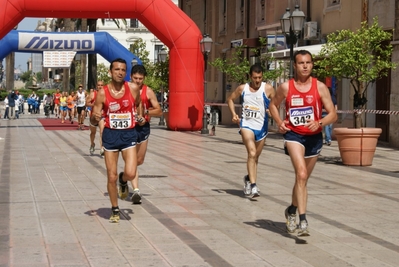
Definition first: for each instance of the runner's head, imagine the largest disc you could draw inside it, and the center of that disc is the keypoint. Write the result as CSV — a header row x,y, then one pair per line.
x,y
138,74
100,85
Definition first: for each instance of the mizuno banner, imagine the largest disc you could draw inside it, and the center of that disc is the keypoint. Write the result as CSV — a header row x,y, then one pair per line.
x,y
57,42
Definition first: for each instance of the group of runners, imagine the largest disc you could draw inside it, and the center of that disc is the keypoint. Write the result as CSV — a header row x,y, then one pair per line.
x,y
71,104
305,99
123,110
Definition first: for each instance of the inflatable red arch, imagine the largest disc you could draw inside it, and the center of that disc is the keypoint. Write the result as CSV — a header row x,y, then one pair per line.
x,y
163,18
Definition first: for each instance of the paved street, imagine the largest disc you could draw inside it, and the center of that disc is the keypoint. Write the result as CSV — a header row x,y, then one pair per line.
x,y
55,208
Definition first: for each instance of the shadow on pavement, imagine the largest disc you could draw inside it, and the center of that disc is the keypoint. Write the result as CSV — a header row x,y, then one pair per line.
x,y
234,192
105,213
276,227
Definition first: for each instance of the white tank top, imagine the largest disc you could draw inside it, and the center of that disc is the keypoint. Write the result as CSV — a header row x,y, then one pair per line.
x,y
254,107
81,99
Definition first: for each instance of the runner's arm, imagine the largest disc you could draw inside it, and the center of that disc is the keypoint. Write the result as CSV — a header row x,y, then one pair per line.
x,y
156,108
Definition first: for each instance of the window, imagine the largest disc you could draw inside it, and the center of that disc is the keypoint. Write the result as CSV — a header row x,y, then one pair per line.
x,y
134,23
222,16
331,5
260,12
240,15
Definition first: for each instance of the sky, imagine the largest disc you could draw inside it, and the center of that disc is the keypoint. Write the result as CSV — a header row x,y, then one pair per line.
x,y
27,24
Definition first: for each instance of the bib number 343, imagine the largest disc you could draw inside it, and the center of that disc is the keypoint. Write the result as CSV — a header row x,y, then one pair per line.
x,y
120,120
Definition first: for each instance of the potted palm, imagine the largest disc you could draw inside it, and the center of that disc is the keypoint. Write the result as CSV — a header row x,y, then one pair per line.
x,y
362,57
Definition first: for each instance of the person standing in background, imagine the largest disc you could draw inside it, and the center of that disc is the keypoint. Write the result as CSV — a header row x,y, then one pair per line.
x,y
6,109
331,84
11,103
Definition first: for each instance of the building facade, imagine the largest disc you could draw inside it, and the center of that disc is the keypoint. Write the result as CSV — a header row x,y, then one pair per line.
x,y
231,21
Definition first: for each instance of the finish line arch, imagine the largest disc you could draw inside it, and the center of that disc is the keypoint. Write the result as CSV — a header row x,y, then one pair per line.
x,y
163,18
82,43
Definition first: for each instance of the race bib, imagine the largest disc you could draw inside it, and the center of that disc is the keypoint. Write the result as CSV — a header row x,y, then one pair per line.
x,y
120,120
300,116
251,112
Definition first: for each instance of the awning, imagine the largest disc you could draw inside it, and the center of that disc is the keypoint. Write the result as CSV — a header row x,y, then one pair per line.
x,y
281,54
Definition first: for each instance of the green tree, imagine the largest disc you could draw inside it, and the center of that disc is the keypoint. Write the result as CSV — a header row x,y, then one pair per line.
x,y
237,66
26,76
157,73
102,73
362,57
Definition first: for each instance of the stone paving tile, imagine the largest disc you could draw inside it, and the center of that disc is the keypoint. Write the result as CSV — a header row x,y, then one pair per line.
x,y
193,211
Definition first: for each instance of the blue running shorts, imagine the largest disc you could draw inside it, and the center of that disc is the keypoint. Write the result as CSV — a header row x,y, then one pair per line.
x,y
312,143
118,140
143,132
259,134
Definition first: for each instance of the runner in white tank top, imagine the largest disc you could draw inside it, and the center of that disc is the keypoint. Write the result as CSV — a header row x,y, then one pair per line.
x,y
254,107
253,122
81,106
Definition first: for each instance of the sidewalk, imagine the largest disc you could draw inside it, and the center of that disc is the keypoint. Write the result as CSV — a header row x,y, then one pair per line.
x,y
55,207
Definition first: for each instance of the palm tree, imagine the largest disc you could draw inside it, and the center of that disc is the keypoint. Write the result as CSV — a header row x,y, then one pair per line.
x,y
10,65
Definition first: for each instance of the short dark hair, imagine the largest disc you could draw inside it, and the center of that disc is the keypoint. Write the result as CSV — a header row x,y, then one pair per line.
x,y
140,69
257,68
120,60
303,53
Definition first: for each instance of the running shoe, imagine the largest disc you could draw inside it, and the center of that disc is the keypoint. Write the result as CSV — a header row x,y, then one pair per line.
x,y
136,198
123,191
291,221
303,228
102,152
254,192
247,185
114,216
92,149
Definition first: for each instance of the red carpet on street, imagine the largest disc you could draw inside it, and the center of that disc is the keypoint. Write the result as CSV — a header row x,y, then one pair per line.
x,y
55,124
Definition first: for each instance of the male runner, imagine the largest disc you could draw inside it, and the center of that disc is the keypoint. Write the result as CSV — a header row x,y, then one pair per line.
x,y
90,103
119,101
151,108
305,98
253,122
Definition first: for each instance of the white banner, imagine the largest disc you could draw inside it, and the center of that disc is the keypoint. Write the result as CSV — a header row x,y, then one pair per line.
x,y
58,59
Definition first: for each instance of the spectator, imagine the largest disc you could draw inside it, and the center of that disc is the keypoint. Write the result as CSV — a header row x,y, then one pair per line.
x,y
11,103
31,102
6,109
17,108
21,103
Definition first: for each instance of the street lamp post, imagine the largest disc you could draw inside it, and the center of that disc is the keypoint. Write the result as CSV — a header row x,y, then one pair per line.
x,y
291,26
206,46
134,62
162,55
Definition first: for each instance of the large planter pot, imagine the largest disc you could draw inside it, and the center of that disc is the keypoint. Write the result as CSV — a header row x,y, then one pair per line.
x,y
357,145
